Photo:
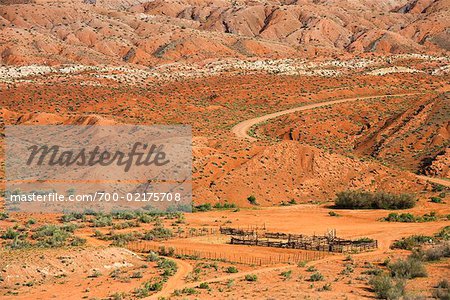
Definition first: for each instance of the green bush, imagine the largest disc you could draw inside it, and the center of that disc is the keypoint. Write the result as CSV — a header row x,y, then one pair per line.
x,y
53,235
152,256
202,207
252,200
232,269
4,215
410,218
168,266
154,286
408,268
387,288
317,276
121,239
224,205
411,242
436,199
102,221
251,277
18,244
136,275
286,274
204,285
369,200
170,251
158,232
77,241
444,233
10,234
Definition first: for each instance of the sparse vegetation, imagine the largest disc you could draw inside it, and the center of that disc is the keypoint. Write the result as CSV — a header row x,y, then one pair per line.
x,y
410,218
386,287
369,200
408,268
252,200
231,269
251,277
317,276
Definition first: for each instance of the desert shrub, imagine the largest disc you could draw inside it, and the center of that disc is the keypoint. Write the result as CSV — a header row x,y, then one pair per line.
x,y
95,274
369,200
317,276
118,296
410,218
333,214
121,239
411,242
102,221
152,256
168,266
53,235
18,244
141,292
72,217
188,291
286,274
170,251
4,215
159,232
311,269
434,253
442,290
436,199
438,187
444,233
202,207
144,218
364,240
31,222
204,285
154,286
10,234
386,287
408,268
124,215
232,269
252,200
136,275
348,269
373,271
77,241
224,205
124,225
251,277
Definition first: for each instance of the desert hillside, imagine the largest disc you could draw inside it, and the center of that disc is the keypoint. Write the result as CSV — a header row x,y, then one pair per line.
x,y
157,32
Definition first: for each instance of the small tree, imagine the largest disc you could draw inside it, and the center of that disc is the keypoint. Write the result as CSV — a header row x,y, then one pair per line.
x,y
252,200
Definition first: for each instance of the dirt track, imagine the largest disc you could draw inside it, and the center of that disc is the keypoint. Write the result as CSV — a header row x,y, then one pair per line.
x,y
241,129
177,282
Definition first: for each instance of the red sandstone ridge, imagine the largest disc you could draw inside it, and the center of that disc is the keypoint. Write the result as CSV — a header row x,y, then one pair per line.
x,y
154,32
290,170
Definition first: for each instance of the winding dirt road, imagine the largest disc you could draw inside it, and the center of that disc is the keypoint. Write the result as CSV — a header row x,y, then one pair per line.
x,y
242,129
177,282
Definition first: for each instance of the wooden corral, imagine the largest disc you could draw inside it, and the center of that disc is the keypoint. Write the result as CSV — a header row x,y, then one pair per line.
x,y
257,257
328,242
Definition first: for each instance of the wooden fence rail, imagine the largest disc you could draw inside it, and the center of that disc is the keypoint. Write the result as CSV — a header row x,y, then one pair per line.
x,y
243,258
